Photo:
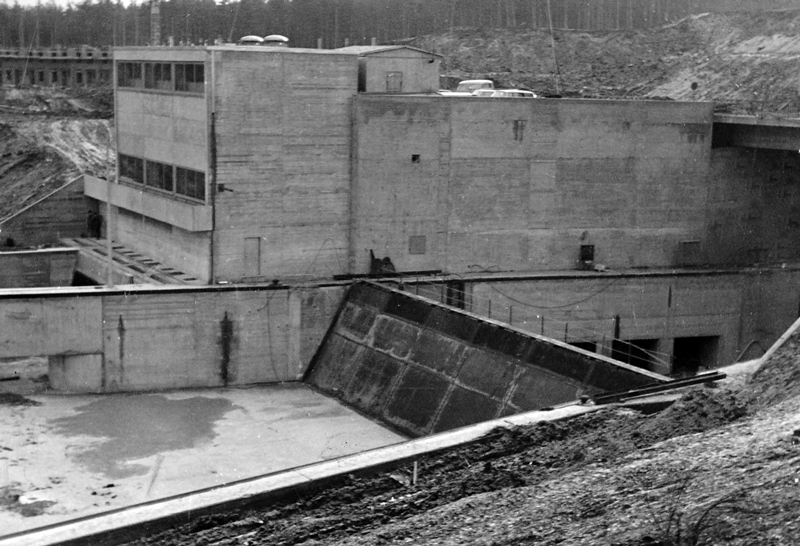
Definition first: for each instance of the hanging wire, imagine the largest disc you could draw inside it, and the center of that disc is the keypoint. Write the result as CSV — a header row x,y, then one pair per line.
x,y
442,291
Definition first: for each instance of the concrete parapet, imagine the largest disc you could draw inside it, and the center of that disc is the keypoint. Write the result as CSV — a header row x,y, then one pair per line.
x,y
422,367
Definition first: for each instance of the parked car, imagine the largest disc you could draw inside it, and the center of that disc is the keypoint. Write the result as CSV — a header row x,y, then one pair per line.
x,y
514,93
470,86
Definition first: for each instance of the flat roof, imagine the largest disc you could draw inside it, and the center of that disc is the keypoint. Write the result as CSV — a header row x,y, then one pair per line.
x,y
364,50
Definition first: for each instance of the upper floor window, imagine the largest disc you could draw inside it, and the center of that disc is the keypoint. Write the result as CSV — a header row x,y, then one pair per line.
x,y
173,77
130,75
166,178
190,183
158,76
131,168
159,175
189,77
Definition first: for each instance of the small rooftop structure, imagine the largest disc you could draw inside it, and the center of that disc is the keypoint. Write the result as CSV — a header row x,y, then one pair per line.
x,y
395,68
251,40
276,40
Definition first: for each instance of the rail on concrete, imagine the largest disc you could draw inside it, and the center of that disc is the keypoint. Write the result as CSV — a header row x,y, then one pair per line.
x,y
422,367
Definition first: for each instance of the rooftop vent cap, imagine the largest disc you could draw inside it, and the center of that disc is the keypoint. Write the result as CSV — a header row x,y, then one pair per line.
x,y
276,40
251,40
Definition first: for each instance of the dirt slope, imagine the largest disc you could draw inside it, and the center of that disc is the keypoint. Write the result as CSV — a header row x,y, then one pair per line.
x,y
749,59
720,466
47,138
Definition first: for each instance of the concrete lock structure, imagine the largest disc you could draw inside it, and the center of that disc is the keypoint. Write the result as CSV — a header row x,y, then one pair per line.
x,y
654,232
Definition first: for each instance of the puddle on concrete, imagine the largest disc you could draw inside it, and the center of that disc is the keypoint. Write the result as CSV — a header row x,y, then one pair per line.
x,y
139,426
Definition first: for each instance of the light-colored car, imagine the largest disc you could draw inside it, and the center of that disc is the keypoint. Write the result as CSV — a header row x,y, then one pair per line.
x,y
484,93
514,93
470,86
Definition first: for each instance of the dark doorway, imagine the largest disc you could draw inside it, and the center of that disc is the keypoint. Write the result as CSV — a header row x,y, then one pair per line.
x,y
454,294
79,279
590,346
636,352
692,353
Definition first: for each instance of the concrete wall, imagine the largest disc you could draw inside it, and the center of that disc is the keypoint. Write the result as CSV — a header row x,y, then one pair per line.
x,y
35,268
753,206
283,156
745,309
61,214
166,127
424,368
452,184
140,339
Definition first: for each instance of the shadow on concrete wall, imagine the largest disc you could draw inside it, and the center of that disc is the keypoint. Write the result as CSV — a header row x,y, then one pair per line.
x,y
422,367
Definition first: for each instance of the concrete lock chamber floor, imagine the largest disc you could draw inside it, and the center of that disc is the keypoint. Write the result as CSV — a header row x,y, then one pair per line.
x,y
67,456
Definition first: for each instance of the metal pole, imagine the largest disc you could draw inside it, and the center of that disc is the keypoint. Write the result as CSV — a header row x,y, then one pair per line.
x,y
511,314
109,261
566,331
490,308
542,324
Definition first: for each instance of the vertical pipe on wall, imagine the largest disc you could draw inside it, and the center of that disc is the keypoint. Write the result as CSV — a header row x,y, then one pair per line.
x,y
109,263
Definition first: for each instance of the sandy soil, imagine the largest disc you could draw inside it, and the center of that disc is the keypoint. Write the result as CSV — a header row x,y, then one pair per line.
x,y
47,138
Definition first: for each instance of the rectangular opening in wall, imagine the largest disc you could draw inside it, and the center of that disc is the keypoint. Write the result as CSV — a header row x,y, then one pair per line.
x,y
417,244
691,354
590,346
636,352
454,294
586,259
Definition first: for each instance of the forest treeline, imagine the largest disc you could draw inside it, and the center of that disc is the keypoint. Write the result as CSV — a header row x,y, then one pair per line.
x,y
308,23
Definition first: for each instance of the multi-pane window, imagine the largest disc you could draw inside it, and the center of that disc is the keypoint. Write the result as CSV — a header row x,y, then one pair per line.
x,y
158,76
175,77
130,75
189,77
168,178
190,183
131,168
159,175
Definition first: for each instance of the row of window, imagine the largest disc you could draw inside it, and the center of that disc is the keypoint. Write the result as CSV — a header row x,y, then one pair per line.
x,y
168,178
178,77
56,77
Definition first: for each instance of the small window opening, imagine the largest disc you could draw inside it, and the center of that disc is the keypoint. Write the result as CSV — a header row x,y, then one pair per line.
x,y
587,256
417,244
414,158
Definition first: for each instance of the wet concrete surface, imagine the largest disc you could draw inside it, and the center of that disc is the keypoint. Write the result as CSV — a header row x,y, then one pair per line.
x,y
72,456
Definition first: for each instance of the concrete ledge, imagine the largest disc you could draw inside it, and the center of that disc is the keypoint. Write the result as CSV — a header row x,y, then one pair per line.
x,y
127,524
148,203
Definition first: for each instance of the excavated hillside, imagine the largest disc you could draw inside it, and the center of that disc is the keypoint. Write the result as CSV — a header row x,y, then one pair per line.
x,y
743,61
47,138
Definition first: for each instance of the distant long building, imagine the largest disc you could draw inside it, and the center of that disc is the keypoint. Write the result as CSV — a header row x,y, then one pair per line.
x,y
56,67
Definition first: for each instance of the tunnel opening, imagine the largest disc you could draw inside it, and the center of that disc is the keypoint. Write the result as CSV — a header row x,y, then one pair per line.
x,y
691,354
